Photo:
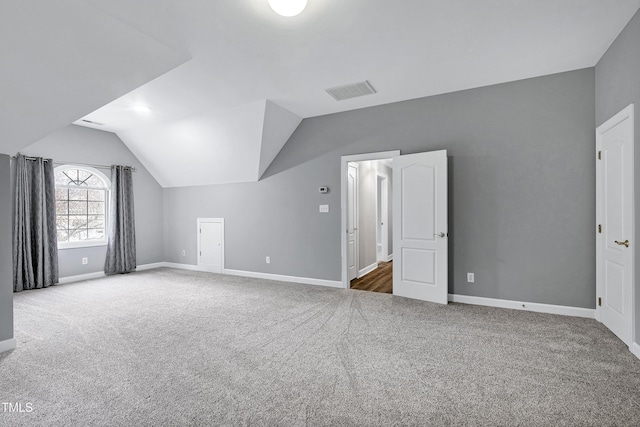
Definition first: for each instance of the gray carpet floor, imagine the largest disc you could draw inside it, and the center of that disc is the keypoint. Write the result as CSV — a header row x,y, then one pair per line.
x,y
170,347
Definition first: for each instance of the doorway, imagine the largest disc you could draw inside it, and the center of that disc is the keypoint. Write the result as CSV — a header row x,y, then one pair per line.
x,y
418,215
366,245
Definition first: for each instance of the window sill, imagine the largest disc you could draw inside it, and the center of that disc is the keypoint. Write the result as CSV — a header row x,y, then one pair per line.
x,y
77,245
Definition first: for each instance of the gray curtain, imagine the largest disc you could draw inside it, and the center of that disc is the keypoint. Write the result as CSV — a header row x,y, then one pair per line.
x,y
35,242
121,246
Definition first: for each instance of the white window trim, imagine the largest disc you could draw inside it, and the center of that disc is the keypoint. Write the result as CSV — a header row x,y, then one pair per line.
x,y
88,243
84,244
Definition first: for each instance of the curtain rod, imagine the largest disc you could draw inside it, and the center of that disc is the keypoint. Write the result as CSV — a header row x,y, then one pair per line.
x,y
79,164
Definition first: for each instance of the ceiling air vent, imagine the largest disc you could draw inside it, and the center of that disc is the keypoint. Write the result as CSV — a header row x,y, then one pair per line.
x,y
340,93
91,122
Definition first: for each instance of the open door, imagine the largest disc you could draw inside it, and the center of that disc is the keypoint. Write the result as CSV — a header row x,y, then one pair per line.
x,y
420,227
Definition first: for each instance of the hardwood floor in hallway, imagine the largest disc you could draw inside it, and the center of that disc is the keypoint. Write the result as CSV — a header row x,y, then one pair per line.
x,y
379,280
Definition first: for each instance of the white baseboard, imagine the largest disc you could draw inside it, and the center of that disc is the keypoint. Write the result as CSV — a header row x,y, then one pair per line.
x,y
7,345
100,274
390,258
190,267
367,269
635,349
564,310
281,278
81,277
150,266
257,275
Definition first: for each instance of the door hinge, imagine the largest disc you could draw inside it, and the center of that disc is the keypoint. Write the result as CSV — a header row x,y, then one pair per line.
x,y
200,253
600,228
599,155
599,302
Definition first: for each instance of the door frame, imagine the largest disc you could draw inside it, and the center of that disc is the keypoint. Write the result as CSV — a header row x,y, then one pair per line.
x,y
343,202
383,179
626,113
199,222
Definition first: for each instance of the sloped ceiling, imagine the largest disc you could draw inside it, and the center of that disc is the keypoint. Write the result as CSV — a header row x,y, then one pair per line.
x,y
63,59
214,147
253,75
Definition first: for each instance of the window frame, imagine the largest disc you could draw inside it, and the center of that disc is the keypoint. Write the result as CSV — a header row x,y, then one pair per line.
x,y
107,189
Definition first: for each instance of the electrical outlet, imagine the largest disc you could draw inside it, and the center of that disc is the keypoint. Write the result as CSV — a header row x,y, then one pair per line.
x,y
471,277
268,260
85,261
184,253
324,209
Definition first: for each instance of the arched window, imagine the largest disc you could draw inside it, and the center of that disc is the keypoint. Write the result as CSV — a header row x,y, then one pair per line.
x,y
81,206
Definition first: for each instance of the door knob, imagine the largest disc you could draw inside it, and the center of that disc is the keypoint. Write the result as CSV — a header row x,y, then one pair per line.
x,y
625,243
441,234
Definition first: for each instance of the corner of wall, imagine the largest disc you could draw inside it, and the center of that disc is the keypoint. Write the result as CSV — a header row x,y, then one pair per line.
x,y
6,274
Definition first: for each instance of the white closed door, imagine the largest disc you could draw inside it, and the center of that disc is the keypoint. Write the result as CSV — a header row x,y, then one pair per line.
x,y
614,245
383,225
420,229
352,220
210,256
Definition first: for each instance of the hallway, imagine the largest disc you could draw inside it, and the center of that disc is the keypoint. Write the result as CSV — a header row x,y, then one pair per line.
x,y
379,280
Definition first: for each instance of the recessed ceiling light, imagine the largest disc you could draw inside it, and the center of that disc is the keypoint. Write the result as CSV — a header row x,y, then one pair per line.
x,y
288,7
142,109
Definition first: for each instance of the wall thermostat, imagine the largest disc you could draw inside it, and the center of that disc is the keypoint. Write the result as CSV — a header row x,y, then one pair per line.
x,y
324,189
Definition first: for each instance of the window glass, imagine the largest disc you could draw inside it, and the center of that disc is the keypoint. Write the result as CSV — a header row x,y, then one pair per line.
x,y
81,206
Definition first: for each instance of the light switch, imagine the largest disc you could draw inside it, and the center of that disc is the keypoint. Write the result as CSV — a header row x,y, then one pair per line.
x,y
324,208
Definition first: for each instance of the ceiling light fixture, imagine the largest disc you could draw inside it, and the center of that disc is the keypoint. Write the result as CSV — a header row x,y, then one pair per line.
x,y
142,109
287,7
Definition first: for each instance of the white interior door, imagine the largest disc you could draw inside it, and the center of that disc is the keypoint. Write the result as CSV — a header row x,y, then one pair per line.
x,y
420,227
614,245
382,237
352,220
211,245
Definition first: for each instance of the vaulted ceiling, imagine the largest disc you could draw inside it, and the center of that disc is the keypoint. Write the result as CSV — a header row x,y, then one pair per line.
x,y
227,82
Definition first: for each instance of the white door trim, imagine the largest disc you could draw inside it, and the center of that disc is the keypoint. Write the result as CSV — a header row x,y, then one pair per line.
x,y
343,201
626,114
199,222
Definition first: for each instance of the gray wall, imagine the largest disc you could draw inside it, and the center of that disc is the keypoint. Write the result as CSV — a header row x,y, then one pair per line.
x,y
84,145
521,183
6,271
618,85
